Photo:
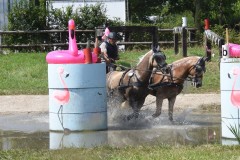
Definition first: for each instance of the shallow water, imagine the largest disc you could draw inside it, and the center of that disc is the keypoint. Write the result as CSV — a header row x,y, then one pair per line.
x,y
31,130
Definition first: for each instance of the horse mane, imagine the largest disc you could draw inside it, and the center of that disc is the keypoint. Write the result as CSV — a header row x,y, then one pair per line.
x,y
184,60
142,57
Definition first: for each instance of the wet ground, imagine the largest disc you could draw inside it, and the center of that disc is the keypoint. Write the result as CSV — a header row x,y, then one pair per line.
x,y
190,127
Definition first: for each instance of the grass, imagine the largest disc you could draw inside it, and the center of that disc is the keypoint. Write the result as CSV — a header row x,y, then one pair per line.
x,y
26,73
235,131
23,73
213,152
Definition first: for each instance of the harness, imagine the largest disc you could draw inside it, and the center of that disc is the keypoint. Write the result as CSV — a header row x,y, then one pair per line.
x,y
199,66
131,74
122,86
168,73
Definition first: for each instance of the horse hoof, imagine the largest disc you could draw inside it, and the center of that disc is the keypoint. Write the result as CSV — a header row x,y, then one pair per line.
x,y
131,116
155,115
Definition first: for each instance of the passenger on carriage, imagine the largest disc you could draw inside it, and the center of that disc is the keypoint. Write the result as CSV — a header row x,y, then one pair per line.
x,y
109,51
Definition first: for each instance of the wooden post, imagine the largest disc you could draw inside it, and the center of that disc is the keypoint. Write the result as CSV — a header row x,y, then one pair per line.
x,y
208,48
155,37
126,39
175,39
206,23
184,42
207,42
192,35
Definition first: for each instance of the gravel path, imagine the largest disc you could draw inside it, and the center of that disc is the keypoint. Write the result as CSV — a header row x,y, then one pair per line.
x,y
39,103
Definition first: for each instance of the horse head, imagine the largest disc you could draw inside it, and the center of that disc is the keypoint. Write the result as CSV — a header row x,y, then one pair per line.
x,y
197,72
158,59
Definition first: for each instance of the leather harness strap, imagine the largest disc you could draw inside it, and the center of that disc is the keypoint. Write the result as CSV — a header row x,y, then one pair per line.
x,y
121,85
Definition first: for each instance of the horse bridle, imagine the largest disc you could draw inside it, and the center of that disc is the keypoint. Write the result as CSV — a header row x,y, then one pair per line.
x,y
162,56
166,71
199,70
157,56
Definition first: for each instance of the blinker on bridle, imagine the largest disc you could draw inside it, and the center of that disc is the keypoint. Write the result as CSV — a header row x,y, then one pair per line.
x,y
199,68
159,57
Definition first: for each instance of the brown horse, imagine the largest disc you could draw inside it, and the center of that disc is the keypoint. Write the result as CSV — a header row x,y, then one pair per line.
x,y
132,85
170,85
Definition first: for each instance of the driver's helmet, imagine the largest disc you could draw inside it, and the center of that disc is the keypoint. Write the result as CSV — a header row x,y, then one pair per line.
x,y
112,35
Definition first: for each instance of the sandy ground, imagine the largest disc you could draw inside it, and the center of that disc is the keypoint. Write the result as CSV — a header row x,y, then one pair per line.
x,y
39,103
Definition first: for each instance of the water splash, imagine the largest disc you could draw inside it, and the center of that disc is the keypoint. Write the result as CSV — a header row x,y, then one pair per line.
x,y
186,85
117,118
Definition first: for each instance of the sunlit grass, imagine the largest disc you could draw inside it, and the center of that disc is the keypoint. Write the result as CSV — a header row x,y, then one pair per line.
x,y
211,79
26,73
213,152
23,73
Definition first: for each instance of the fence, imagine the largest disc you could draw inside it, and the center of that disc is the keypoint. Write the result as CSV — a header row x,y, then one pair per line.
x,y
62,40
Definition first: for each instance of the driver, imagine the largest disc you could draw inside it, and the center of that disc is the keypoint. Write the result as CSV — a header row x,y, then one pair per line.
x,y
109,51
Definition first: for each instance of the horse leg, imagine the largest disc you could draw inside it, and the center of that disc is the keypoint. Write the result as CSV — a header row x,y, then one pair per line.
x,y
125,104
171,102
136,106
159,101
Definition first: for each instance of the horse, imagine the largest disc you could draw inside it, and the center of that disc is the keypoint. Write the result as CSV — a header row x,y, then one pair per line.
x,y
131,85
171,84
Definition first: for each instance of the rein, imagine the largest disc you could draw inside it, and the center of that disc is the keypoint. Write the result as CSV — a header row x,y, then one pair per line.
x,y
172,78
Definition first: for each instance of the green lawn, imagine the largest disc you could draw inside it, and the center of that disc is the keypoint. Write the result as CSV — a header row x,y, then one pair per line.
x,y
161,152
26,73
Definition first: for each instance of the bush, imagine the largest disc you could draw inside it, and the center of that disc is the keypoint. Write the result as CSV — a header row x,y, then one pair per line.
x,y
26,15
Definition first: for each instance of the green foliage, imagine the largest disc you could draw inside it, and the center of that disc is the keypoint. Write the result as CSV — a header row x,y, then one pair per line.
x,y
235,131
25,15
219,12
27,73
233,35
23,74
140,152
87,17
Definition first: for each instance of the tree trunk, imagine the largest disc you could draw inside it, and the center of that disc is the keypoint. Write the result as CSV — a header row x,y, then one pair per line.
x,y
197,16
220,12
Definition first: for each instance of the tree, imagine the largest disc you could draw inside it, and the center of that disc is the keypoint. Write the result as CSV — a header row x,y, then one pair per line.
x,y
35,15
140,10
216,10
25,15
